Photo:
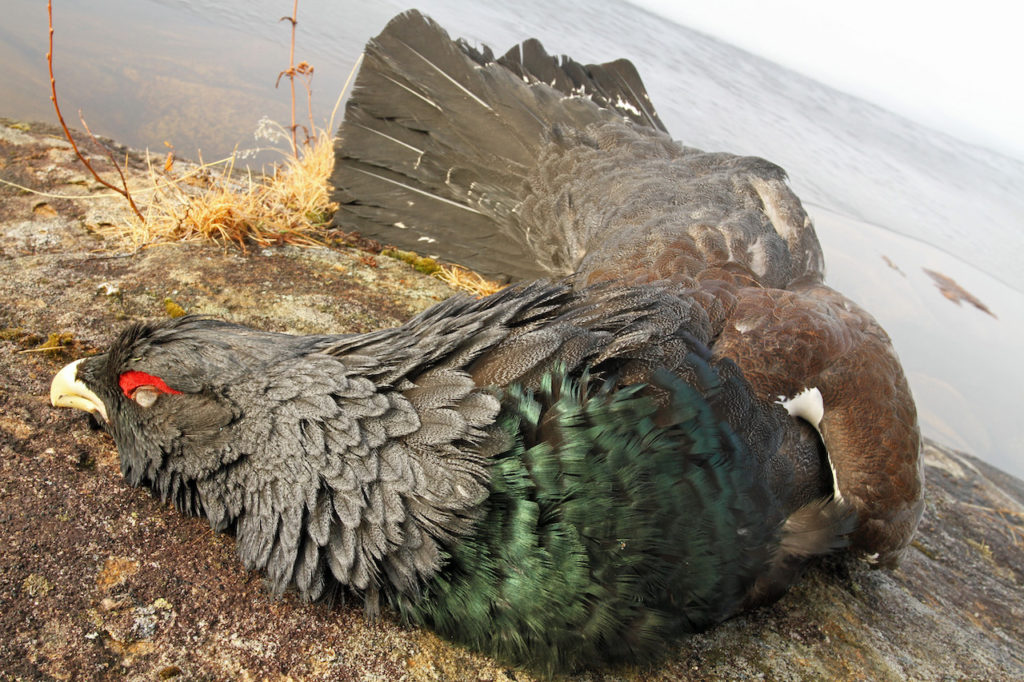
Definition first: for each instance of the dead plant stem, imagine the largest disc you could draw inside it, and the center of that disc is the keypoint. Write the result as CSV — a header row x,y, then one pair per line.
x,y
123,190
294,19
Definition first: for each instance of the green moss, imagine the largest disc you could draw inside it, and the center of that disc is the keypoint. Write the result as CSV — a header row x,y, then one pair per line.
x,y
54,341
934,556
36,585
321,217
173,309
57,341
427,266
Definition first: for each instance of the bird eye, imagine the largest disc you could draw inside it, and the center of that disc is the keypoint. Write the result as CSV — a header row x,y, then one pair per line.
x,y
143,388
145,395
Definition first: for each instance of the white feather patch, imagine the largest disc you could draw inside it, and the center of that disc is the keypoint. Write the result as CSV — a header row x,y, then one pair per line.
x,y
807,405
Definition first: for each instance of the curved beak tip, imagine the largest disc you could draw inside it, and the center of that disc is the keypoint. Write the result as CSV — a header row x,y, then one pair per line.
x,y
67,390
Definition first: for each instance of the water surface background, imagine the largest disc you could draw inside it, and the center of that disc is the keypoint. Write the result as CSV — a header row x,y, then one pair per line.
x,y
889,197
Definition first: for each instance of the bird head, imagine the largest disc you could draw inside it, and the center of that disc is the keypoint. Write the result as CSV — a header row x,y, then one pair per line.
x,y
176,395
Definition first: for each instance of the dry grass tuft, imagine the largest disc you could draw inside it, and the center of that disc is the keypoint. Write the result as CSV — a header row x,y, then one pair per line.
x,y
291,205
466,280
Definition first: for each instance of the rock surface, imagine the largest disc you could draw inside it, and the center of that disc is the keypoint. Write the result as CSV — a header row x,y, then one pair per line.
x,y
102,581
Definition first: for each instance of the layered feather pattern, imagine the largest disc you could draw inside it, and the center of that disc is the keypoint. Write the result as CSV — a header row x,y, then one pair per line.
x,y
613,523
567,472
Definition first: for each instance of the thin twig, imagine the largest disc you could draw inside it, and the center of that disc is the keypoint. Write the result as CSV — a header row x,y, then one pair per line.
x,y
309,104
306,69
113,161
38,350
123,191
290,72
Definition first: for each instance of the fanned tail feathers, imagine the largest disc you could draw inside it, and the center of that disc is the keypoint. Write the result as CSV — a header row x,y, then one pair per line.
x,y
439,139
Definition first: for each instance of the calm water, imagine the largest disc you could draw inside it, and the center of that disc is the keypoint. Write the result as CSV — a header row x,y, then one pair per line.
x,y
889,197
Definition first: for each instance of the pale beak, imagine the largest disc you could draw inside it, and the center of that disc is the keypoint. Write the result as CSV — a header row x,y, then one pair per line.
x,y
67,391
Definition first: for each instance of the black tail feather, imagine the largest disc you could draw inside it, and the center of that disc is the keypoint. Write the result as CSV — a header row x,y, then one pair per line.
x,y
439,140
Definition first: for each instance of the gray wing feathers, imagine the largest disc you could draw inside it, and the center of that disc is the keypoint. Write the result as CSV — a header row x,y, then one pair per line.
x,y
351,480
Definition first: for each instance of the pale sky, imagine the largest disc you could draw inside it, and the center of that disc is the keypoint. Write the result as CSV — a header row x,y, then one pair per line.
x,y
955,66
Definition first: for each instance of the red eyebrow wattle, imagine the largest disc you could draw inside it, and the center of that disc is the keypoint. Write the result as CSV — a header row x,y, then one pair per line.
x,y
132,380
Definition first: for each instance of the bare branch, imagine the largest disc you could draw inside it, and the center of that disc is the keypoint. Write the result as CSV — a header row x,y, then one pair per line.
x,y
123,190
290,73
